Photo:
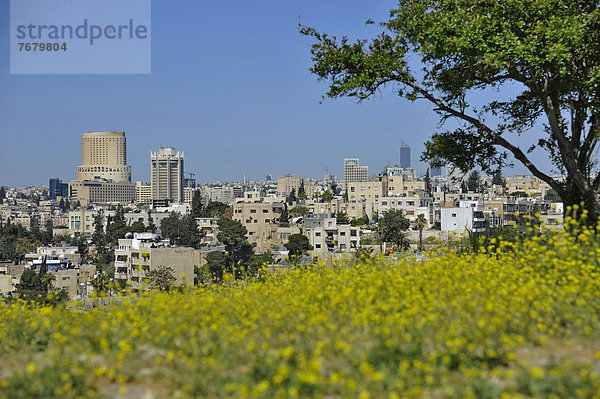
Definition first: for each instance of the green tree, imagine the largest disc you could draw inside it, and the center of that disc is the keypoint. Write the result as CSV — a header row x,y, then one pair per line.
x,y
173,227
233,235
256,262
301,191
317,196
101,283
552,196
392,227
82,245
214,209
291,198
197,204
342,218
284,219
335,189
151,224
193,235
518,194
161,278
181,230
497,178
48,279
116,226
104,251
31,287
420,224
473,182
2,193
216,263
327,196
538,62
360,221
297,244
427,181
299,211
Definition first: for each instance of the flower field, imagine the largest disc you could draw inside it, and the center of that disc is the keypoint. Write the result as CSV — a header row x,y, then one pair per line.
x,y
511,321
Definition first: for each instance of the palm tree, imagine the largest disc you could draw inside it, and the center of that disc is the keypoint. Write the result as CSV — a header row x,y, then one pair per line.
x,y
420,224
401,241
100,283
47,279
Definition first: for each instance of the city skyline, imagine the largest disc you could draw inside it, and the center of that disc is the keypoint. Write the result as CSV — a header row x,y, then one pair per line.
x,y
219,90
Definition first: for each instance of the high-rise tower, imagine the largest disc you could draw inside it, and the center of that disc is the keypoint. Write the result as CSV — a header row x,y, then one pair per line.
x,y
104,156
167,174
404,156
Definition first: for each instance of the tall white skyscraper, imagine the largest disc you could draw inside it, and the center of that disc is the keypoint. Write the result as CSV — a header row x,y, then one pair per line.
x,y
167,174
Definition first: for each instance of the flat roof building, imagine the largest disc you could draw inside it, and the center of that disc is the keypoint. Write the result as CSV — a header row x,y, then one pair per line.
x,y
167,174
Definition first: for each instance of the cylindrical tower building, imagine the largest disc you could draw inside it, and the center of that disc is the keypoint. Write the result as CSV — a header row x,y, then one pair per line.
x,y
104,156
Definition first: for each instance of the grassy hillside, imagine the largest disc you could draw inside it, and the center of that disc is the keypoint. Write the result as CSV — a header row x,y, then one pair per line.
x,y
511,321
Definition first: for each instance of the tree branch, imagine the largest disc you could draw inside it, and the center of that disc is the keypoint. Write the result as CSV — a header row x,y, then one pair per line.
x,y
497,138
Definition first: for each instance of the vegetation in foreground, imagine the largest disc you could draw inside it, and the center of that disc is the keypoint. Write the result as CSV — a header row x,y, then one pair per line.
x,y
512,320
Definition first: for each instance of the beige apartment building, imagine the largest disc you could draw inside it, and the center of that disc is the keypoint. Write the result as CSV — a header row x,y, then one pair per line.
x,y
354,172
397,181
167,174
411,206
188,194
104,156
287,183
367,191
209,228
353,210
102,192
529,184
260,219
82,221
224,194
136,256
143,192
325,234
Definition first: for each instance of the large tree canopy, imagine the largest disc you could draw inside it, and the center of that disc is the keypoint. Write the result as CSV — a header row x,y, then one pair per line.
x,y
544,53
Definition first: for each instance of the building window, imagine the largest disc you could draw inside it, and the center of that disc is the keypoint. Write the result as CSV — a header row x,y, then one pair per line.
x,y
252,210
317,246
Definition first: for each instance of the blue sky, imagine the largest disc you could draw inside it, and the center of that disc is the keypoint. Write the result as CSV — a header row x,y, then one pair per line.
x,y
229,86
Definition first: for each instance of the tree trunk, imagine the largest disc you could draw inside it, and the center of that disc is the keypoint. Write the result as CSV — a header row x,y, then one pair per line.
x,y
572,195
